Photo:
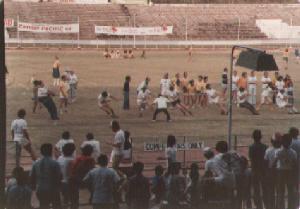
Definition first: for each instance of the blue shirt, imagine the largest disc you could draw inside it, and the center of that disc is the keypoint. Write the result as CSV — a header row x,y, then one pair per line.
x,y
102,181
19,197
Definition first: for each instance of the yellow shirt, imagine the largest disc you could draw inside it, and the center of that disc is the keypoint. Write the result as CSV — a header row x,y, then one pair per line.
x,y
200,85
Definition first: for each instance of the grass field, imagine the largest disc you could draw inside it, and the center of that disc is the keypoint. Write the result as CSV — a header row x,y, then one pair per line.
x,y
96,73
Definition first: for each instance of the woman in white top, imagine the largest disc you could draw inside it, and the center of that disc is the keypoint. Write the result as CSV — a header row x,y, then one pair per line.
x,y
235,79
214,98
90,140
65,139
252,88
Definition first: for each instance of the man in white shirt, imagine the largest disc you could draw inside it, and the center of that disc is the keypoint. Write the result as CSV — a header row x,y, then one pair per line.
x,y
117,144
20,136
90,140
242,101
165,84
73,81
161,103
214,98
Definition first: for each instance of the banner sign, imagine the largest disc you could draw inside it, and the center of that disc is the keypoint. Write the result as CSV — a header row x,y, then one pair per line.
x,y
131,31
48,28
152,147
81,1
9,22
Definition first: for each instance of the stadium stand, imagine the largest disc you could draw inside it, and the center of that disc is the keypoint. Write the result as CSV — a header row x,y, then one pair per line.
x,y
196,22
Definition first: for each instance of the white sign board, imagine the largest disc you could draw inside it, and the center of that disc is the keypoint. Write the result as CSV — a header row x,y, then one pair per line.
x,y
9,22
153,146
48,28
133,31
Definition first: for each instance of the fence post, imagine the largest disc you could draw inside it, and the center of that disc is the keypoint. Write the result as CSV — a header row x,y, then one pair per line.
x,y
184,158
78,34
18,32
235,143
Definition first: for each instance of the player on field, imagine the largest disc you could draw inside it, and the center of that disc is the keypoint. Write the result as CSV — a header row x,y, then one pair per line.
x,y
104,100
176,102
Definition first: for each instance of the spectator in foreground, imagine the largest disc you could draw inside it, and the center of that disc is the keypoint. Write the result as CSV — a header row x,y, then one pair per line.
x,y
20,135
19,195
65,163
171,150
271,172
65,139
257,155
139,188
90,140
158,184
127,152
80,167
194,189
294,132
46,179
286,165
102,181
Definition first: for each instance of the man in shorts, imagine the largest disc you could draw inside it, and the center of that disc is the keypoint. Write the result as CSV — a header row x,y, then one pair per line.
x,y
161,103
104,100
21,137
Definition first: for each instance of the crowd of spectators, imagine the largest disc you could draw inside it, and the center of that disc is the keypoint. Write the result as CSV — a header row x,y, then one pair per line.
x,y
229,178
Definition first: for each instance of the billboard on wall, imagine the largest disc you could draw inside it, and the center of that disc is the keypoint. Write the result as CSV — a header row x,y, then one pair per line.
x,y
48,28
9,22
133,31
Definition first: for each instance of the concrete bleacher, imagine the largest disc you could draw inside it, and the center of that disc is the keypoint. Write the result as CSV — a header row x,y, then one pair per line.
x,y
197,21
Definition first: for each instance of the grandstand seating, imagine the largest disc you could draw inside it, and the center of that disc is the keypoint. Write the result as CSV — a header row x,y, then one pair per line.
x,y
203,21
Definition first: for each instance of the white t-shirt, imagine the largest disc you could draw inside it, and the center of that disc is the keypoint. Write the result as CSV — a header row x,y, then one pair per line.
x,y
165,85
119,138
241,94
265,82
73,79
252,82
162,102
280,101
17,126
235,80
42,92
96,147
142,96
62,142
212,96
279,85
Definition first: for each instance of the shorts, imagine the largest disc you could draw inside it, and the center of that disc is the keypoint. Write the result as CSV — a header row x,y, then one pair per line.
x,y
224,86
174,103
23,142
142,105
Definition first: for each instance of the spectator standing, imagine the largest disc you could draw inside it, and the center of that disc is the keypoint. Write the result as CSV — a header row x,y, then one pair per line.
x,y
73,82
294,132
126,90
103,181
271,174
194,189
171,150
158,184
46,179
117,144
286,165
256,155
80,167
224,81
20,136
19,195
90,140
65,139
65,162
139,188
127,152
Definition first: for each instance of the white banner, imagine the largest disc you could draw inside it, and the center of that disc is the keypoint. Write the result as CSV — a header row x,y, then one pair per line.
x,y
48,28
153,146
130,31
81,1
9,22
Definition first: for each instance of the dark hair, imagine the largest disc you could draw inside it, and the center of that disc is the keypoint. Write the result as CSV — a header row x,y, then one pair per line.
x,y
87,150
242,89
127,78
286,140
21,113
46,150
276,142
222,146
175,168
159,170
90,136
127,142
294,132
104,94
208,86
243,163
194,173
209,154
102,160
36,82
115,125
65,135
68,149
225,69
20,175
256,135
171,88
171,141
138,167
63,77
